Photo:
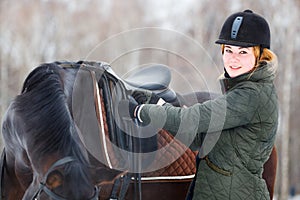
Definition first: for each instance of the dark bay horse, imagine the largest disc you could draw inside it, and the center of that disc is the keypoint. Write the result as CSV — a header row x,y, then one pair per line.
x,y
45,155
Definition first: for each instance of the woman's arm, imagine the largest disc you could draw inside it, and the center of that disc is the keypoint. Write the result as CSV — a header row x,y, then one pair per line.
x,y
236,108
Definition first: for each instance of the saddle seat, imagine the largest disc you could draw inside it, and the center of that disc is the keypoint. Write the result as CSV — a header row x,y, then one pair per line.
x,y
155,78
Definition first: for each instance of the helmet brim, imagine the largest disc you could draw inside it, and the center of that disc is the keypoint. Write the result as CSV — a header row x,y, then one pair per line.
x,y
235,43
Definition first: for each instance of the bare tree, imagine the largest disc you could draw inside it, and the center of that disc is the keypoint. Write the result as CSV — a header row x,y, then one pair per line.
x,y
286,29
33,32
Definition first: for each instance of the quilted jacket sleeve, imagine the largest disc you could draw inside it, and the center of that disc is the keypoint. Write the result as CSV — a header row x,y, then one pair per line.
x,y
235,108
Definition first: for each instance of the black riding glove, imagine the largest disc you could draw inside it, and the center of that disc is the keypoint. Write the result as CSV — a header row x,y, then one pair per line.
x,y
127,108
145,97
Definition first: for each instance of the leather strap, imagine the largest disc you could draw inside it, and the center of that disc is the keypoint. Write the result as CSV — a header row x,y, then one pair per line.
x,y
236,26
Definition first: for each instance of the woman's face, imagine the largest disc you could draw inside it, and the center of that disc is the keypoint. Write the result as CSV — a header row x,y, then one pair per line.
x,y
238,60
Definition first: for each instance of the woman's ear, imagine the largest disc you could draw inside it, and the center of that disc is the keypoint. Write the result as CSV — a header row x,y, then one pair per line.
x,y
54,179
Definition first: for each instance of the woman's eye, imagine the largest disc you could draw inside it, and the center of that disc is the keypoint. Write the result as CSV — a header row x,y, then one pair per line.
x,y
243,52
228,51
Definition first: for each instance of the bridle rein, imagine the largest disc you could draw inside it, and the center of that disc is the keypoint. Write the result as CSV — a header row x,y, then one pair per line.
x,y
43,187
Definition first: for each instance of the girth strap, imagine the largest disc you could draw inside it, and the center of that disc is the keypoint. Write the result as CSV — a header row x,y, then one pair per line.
x,y
115,189
125,185
121,183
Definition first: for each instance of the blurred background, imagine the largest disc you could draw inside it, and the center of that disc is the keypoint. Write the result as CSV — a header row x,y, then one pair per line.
x,y
37,31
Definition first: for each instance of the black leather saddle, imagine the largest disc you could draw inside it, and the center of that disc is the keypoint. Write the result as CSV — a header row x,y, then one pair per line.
x,y
156,78
152,77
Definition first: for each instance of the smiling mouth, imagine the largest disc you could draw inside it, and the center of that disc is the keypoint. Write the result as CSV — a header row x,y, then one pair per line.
x,y
235,67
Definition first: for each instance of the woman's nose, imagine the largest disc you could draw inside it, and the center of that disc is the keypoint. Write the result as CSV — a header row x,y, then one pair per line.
x,y
235,56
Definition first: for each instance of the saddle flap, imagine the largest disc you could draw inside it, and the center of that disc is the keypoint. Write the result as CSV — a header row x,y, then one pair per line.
x,y
84,100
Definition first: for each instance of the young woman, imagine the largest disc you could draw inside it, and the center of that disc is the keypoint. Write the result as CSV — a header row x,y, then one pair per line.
x,y
246,114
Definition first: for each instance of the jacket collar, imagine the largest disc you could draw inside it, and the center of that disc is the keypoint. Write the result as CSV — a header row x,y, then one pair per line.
x,y
265,72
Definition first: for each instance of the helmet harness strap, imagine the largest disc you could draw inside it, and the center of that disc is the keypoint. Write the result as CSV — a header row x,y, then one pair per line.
x,y
236,26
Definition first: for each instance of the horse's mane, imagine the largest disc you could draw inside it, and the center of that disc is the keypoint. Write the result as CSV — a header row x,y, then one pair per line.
x,y
42,106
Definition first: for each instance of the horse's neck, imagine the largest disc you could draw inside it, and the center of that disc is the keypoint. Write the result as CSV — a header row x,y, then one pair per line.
x,y
68,78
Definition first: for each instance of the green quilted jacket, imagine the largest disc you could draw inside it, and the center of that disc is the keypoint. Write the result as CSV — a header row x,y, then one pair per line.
x,y
243,122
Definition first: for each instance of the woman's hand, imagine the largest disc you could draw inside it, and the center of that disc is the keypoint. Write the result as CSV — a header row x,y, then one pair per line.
x,y
146,97
127,108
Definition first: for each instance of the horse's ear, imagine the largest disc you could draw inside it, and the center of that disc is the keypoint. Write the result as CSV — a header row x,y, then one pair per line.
x,y
54,179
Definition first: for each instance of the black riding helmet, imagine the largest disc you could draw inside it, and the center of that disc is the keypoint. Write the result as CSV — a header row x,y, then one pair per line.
x,y
245,29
